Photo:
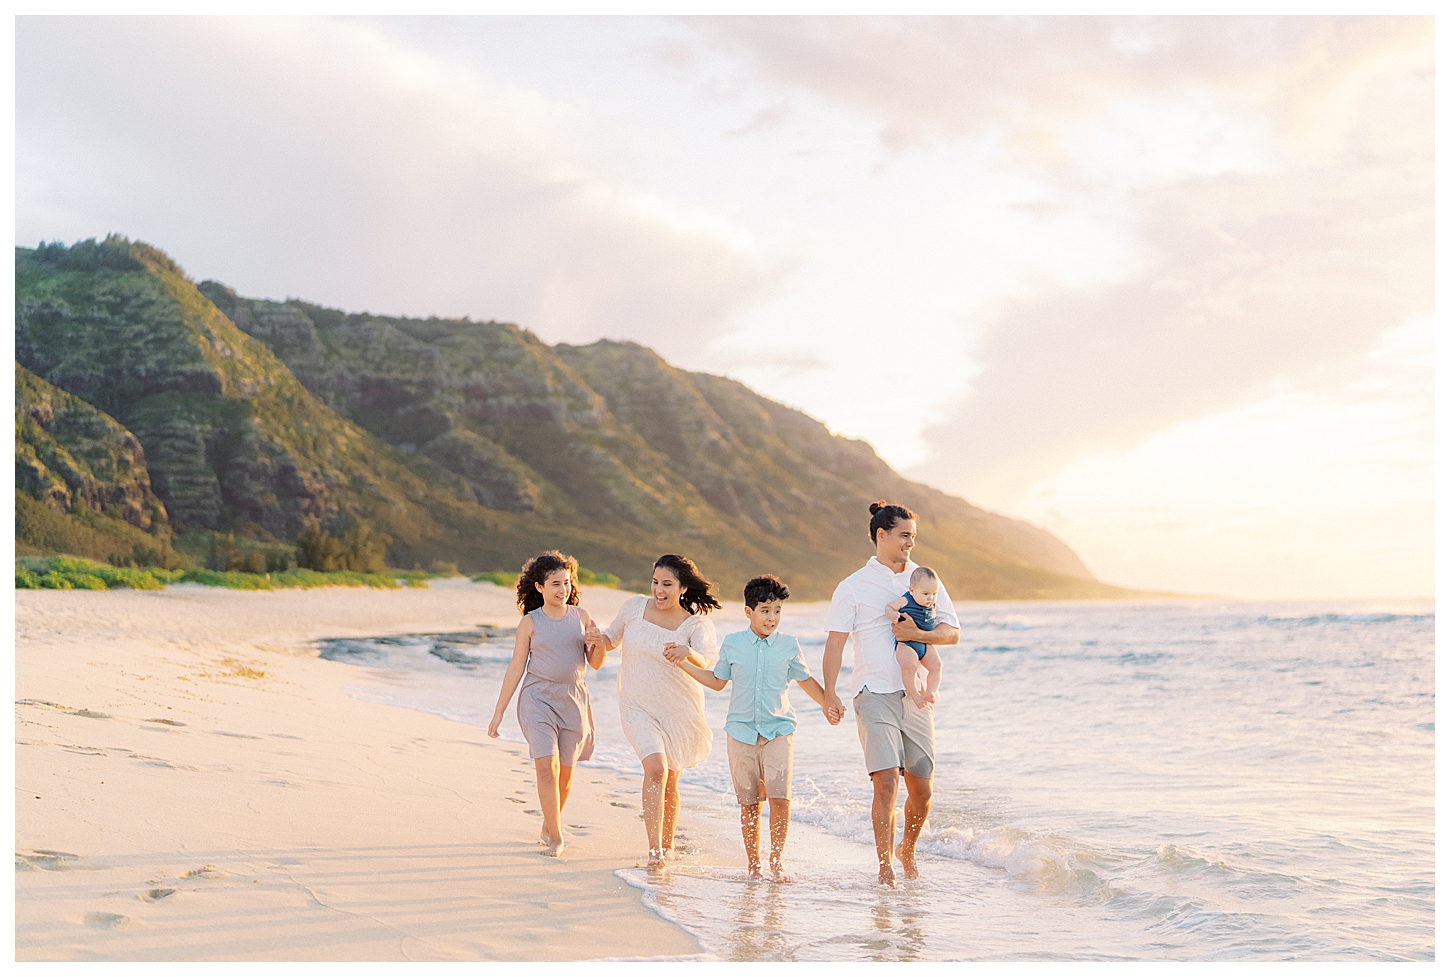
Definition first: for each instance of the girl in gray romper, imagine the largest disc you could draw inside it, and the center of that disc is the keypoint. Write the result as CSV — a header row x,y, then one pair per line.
x,y
549,659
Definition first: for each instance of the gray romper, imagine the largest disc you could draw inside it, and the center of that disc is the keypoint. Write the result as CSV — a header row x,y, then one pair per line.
x,y
554,708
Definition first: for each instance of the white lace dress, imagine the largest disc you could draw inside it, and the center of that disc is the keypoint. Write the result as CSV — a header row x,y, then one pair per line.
x,y
661,708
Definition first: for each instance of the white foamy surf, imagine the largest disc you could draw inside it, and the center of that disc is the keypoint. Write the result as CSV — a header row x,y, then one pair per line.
x,y
1114,781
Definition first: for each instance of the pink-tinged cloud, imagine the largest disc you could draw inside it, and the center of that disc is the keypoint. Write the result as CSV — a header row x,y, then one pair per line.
x,y
321,159
1276,175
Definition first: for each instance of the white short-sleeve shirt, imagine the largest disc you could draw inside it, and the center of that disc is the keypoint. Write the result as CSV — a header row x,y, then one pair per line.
x,y
858,608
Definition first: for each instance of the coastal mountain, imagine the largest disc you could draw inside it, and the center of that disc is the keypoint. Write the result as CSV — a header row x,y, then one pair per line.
x,y
468,442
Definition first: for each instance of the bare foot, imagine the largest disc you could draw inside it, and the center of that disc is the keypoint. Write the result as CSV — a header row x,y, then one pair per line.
x,y
886,877
916,698
753,874
656,859
554,850
930,697
908,861
777,872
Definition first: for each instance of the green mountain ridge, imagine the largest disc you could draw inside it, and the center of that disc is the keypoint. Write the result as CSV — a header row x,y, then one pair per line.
x,y
471,442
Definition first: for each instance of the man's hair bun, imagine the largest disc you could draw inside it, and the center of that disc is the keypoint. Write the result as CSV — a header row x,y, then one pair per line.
x,y
877,506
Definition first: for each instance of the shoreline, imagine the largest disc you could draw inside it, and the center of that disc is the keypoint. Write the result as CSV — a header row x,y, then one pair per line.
x,y
193,783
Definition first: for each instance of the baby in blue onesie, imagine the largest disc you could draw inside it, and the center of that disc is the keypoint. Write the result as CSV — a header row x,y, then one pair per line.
x,y
919,604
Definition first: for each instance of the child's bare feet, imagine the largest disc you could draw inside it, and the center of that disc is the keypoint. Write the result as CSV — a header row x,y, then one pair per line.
x,y
917,699
777,872
656,859
929,696
908,861
753,873
886,876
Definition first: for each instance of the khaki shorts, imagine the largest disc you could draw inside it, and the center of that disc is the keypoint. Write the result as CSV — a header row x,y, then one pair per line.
x,y
894,733
760,771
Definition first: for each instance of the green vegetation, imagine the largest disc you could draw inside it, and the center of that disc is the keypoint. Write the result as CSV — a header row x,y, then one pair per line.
x,y
501,578
40,530
250,435
295,579
69,573
588,578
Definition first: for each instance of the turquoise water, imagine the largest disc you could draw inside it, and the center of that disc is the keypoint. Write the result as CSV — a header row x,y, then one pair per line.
x,y
1183,781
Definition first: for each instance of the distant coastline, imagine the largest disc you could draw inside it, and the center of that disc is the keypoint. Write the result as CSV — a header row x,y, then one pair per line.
x,y
167,424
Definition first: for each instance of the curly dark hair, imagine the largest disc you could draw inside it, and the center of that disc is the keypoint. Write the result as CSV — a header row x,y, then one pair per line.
x,y
536,571
884,516
765,587
696,597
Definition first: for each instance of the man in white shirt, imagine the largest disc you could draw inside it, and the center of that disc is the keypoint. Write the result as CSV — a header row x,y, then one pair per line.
x,y
896,737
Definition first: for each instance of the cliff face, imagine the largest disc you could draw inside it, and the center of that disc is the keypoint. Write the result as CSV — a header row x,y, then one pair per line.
x,y
474,441
72,456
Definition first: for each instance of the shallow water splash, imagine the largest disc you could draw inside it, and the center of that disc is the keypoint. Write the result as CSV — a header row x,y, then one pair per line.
x,y
1153,781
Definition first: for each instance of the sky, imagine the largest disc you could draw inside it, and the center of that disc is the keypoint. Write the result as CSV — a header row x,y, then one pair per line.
x,y
1163,286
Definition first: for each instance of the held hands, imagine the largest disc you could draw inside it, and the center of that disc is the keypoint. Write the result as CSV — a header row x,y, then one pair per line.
x,y
833,709
593,638
675,653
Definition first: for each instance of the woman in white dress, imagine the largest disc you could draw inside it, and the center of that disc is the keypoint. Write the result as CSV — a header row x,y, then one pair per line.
x,y
661,708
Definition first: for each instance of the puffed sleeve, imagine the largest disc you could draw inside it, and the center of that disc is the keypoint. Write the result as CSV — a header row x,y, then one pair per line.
x,y
629,612
702,640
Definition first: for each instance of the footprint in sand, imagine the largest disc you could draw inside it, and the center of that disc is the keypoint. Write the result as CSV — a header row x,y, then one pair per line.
x,y
619,804
88,714
515,800
155,895
151,761
108,921
206,872
42,859
166,722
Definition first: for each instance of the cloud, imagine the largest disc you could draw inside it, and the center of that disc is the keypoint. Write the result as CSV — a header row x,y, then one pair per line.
x,y
1273,177
321,158
921,78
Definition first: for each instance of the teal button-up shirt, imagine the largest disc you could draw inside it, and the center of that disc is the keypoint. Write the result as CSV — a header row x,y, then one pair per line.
x,y
759,671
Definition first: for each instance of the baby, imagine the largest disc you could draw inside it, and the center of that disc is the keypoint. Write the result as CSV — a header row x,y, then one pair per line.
x,y
919,604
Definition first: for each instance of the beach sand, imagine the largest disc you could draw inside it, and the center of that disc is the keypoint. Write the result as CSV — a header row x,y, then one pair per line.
x,y
194,783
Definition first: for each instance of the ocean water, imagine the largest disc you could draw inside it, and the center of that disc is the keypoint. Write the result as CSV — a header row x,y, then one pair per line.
x,y
1159,781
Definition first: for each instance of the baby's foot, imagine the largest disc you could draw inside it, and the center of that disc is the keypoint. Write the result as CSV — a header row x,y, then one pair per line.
x,y
917,699
930,696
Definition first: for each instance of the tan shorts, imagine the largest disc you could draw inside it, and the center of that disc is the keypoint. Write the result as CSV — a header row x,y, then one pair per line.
x,y
760,771
895,734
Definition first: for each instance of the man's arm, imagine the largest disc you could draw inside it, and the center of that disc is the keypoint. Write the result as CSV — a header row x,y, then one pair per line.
x,y
906,630
831,666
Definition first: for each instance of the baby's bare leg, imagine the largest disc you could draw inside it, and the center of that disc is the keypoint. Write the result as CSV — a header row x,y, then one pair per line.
x,y
906,658
932,661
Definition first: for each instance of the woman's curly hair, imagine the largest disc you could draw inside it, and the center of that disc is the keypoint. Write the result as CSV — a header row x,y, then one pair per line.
x,y
695,597
536,571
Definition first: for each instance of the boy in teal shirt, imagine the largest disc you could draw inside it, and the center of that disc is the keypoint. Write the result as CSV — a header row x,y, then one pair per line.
x,y
760,722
